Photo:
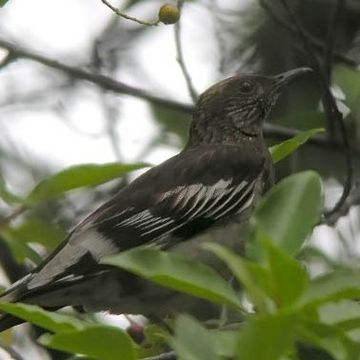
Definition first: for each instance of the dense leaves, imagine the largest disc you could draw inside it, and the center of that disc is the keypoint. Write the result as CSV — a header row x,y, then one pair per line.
x,y
286,309
298,203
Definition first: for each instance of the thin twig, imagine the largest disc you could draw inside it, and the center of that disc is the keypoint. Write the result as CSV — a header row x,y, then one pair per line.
x,y
180,56
331,110
128,17
104,82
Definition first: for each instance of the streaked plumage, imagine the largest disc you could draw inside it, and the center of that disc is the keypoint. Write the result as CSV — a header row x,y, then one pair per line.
x,y
218,177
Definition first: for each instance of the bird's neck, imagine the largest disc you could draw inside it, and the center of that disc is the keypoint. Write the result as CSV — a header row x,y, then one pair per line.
x,y
224,133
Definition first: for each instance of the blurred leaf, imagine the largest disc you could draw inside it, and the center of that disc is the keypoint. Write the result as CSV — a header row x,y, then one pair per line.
x,y
288,278
344,314
36,231
97,341
286,148
192,341
171,121
330,338
334,286
310,253
290,210
349,80
7,196
247,275
78,176
19,249
177,272
48,320
3,2
225,342
266,337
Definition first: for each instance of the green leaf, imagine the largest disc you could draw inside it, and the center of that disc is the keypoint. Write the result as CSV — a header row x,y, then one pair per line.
x,y
192,341
225,342
286,148
335,286
49,320
345,314
78,176
329,338
36,231
96,341
177,272
290,210
3,2
6,195
245,272
288,277
266,337
21,250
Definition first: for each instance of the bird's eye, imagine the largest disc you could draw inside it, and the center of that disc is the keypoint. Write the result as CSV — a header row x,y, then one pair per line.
x,y
246,87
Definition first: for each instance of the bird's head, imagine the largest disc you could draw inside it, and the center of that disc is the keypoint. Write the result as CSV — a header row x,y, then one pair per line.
x,y
237,106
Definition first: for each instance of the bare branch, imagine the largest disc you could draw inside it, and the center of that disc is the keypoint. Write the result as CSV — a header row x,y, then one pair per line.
x,y
332,112
128,17
180,56
103,81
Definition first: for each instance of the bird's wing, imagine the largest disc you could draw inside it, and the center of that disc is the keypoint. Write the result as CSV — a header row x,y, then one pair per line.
x,y
181,197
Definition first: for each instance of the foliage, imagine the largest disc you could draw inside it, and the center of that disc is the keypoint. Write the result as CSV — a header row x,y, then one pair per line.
x,y
288,308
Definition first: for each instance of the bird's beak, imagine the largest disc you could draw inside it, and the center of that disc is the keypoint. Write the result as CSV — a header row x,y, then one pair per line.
x,y
285,78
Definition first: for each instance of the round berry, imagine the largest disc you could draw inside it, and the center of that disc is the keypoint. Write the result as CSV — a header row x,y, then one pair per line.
x,y
169,14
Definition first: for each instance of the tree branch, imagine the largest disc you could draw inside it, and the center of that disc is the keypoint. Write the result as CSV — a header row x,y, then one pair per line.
x,y
315,42
98,79
128,17
332,112
271,130
180,56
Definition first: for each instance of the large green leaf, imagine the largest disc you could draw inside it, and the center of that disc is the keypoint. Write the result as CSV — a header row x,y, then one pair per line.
x,y
290,210
225,342
329,338
192,341
286,148
177,272
288,277
246,273
78,176
97,341
266,337
49,320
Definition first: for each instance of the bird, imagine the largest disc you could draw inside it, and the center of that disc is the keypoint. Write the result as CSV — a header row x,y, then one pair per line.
x,y
213,183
